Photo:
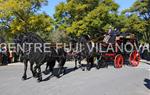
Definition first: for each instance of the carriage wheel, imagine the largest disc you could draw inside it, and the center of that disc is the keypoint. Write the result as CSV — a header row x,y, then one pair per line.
x,y
119,60
134,58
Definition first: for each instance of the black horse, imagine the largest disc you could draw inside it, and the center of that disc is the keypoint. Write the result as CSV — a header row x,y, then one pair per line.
x,y
79,56
40,57
34,57
51,60
87,52
62,57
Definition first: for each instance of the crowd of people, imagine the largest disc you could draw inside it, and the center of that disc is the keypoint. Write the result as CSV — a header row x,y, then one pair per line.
x,y
7,56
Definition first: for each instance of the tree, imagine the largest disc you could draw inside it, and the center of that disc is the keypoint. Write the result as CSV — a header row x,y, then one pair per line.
x,y
86,16
139,18
38,23
21,16
73,10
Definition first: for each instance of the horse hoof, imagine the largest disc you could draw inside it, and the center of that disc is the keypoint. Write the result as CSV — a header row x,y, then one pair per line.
x,y
75,68
107,66
64,72
45,72
97,67
39,79
24,77
35,76
88,69
58,76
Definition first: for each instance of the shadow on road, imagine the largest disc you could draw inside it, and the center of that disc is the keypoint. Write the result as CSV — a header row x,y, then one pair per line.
x,y
27,78
67,71
147,83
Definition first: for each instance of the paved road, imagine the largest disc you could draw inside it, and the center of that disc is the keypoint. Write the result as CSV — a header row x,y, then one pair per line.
x,y
106,81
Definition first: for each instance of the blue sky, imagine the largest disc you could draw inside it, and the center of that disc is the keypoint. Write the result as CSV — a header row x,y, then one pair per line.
x,y
50,8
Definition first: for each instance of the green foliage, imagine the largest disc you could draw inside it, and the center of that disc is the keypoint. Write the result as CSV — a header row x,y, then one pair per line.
x,y
86,16
142,7
74,17
21,16
139,19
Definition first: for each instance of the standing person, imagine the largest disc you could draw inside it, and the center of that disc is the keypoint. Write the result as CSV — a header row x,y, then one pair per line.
x,y
4,55
0,56
142,51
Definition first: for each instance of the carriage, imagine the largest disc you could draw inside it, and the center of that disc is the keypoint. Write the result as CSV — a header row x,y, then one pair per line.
x,y
124,50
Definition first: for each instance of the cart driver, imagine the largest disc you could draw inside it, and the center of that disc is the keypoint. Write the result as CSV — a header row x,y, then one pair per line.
x,y
107,36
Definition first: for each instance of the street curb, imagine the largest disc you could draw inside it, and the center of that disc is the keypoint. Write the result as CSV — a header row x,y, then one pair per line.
x,y
145,61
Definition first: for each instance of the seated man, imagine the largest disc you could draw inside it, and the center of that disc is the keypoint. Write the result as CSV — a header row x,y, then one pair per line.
x,y
111,36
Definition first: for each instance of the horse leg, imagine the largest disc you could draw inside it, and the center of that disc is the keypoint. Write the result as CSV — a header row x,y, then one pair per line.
x,y
88,64
75,64
31,68
46,69
39,74
81,65
35,70
48,66
61,64
24,77
51,67
64,70
59,71
79,61
92,62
